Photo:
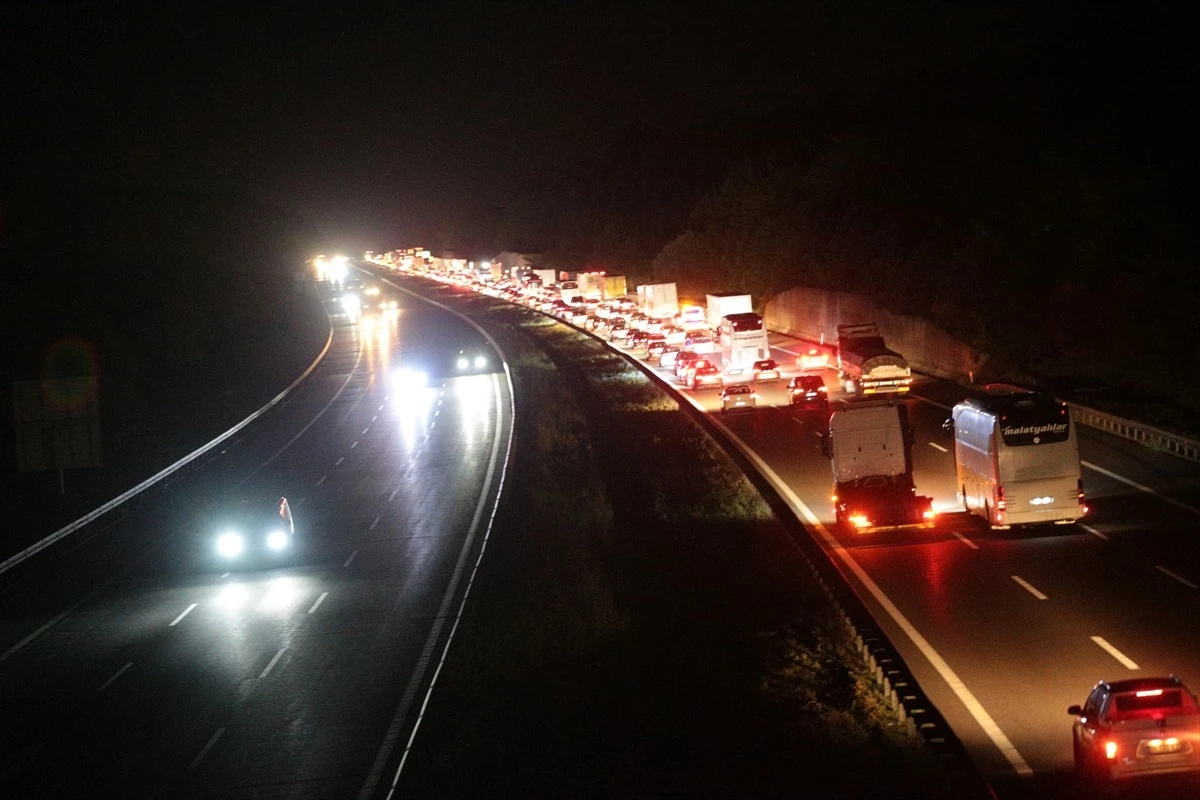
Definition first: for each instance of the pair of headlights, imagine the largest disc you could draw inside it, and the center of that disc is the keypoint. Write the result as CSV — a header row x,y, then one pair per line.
x,y
232,544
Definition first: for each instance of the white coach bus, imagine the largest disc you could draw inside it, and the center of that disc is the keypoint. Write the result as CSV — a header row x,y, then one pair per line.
x,y
1017,458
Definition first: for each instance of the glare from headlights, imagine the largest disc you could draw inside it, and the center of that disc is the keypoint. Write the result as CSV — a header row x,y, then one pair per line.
x,y
411,378
480,362
230,544
463,363
277,540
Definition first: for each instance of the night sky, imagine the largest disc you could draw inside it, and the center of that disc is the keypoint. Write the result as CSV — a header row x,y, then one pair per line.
x,y
378,120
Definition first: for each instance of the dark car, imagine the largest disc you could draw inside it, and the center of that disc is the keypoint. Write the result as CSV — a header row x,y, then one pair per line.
x,y
637,338
808,393
256,532
685,358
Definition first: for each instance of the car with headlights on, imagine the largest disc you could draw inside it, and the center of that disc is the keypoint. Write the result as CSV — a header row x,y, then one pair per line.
x,y
738,398
255,533
470,362
1136,728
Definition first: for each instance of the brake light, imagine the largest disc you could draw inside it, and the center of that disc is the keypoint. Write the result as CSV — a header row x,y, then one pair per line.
x,y
1080,489
860,521
1149,693
1000,505
929,514
1110,749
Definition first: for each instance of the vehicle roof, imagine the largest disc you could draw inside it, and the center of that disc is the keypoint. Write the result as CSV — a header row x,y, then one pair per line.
x,y
740,388
1139,684
808,380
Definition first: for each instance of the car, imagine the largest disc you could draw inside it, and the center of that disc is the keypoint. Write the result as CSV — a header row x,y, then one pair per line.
x,y
654,349
655,324
808,393
654,340
738,397
812,359
685,375
707,375
667,357
1136,727
637,321
765,370
256,532
674,335
682,361
701,343
637,338
737,373
470,361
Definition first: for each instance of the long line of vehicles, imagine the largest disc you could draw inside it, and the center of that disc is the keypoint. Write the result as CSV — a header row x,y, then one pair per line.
x,y
1016,456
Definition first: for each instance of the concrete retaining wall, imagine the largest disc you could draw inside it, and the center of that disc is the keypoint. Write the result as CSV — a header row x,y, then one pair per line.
x,y
815,314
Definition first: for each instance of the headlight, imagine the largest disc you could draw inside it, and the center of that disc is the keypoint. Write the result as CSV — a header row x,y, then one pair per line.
x,y
411,378
463,363
230,544
480,362
277,540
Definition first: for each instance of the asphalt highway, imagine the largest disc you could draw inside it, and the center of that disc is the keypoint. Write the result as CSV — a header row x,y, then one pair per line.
x,y
135,662
1005,629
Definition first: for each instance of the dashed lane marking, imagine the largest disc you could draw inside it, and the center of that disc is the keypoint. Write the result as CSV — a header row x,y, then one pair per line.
x,y
1093,531
351,558
1179,578
113,679
376,522
204,751
339,461
965,540
1127,662
320,600
273,662
937,446
179,619
1027,586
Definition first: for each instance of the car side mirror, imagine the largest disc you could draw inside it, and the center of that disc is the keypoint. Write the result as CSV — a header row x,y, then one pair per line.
x,y
825,448
1075,711
948,425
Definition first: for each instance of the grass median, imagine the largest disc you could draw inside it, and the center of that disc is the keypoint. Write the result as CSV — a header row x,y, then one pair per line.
x,y
642,625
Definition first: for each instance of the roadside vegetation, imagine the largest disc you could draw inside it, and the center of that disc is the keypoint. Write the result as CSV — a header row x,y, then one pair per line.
x,y
642,626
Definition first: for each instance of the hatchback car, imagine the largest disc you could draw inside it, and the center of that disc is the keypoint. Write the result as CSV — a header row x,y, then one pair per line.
x,y
706,376
740,397
765,370
808,393
1136,727
667,357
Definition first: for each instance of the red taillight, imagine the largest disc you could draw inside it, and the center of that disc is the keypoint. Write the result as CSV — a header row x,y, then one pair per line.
x,y
1110,749
1081,495
1000,498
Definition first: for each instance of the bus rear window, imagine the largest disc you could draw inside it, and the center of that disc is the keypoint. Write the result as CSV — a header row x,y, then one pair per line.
x,y
1029,426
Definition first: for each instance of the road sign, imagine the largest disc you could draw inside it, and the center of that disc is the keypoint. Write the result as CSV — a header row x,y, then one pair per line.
x,y
58,424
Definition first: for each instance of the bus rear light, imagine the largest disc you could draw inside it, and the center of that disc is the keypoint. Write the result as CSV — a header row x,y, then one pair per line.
x,y
929,514
860,521
1110,749
1000,505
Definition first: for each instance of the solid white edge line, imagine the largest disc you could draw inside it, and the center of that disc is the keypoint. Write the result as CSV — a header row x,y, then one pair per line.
x,y
320,600
204,751
1027,586
1115,653
937,446
274,661
113,679
1093,531
1179,578
1141,487
965,696
178,619
965,540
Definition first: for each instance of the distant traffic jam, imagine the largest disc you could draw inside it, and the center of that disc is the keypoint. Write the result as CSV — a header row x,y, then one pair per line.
x,y
1016,452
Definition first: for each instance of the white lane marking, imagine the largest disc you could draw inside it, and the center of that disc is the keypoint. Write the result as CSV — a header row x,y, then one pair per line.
x,y
965,696
113,679
300,502
364,433
339,461
323,477
376,522
965,540
931,402
937,446
354,445
320,600
1027,586
225,575
1136,485
392,496
379,409
410,692
351,558
1114,652
374,418
1182,580
274,661
204,751
1093,531
178,619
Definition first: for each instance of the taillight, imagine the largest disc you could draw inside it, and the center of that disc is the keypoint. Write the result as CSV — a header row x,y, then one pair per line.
x,y
929,514
1081,494
860,521
1110,749
1000,498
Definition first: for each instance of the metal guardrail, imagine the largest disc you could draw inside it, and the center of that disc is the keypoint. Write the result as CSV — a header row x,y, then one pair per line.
x,y
1146,435
97,513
